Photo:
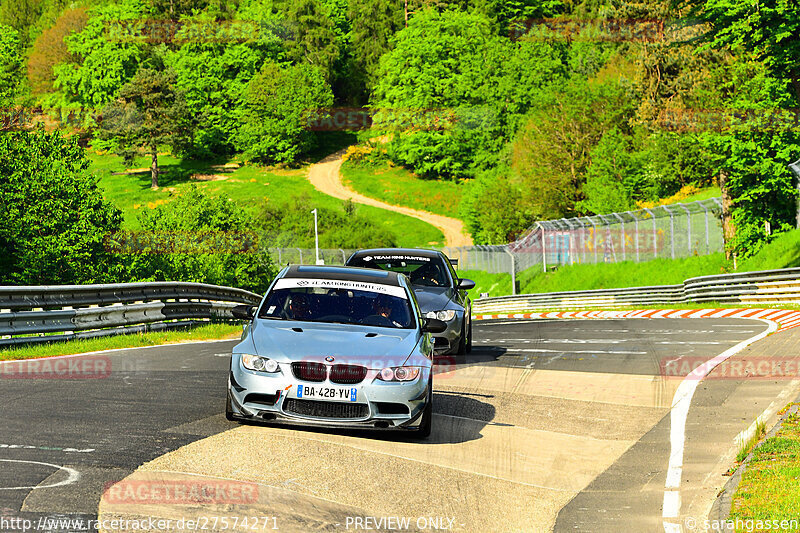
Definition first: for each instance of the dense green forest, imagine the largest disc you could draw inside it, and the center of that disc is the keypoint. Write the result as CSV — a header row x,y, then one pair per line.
x,y
537,108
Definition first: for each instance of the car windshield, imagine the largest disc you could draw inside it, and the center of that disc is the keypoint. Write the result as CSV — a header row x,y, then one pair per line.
x,y
338,302
421,271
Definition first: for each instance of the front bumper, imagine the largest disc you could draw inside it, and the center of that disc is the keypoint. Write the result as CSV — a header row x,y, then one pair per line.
x,y
379,405
447,342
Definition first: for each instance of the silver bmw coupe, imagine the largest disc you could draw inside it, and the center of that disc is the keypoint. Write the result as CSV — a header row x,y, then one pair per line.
x,y
335,346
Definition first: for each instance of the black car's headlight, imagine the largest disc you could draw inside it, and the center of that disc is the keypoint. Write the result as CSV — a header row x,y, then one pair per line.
x,y
259,364
399,373
446,315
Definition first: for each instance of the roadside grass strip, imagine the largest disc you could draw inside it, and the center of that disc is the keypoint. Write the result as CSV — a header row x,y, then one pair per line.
x,y
133,340
769,490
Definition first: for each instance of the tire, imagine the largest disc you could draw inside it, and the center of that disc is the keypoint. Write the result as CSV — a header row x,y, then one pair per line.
x,y
469,339
424,430
462,340
229,408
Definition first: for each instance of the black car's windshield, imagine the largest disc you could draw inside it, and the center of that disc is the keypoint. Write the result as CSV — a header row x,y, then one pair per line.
x,y
421,271
316,300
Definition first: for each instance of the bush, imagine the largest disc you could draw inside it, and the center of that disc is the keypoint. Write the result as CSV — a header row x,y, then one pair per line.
x,y
292,225
209,241
53,218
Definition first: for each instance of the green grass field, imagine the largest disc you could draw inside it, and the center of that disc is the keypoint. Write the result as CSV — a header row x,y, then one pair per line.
x,y
201,333
398,186
768,488
783,252
249,186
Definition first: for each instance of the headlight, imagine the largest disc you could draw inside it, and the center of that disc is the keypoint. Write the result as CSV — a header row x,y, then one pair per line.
x,y
446,315
399,373
259,364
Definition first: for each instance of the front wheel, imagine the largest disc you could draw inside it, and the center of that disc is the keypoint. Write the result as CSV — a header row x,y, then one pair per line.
x,y
229,408
424,430
469,338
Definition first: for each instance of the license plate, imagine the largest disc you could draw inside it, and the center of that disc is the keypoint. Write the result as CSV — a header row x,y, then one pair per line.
x,y
321,392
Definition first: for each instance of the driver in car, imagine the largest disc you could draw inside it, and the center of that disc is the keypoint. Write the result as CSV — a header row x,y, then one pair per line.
x,y
384,309
299,307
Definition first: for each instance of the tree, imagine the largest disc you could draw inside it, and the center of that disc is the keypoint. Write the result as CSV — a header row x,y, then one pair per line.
x,y
53,219
107,57
21,15
552,151
279,103
214,75
10,66
770,30
198,238
148,113
50,49
314,41
373,22
456,92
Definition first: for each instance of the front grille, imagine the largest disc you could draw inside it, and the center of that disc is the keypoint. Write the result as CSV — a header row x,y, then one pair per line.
x,y
348,374
308,371
325,409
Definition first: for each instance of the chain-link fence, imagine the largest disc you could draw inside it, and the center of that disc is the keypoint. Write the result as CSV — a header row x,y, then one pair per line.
x,y
670,231
308,256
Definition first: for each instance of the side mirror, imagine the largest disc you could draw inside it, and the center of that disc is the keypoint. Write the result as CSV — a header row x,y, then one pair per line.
x,y
433,325
243,312
466,284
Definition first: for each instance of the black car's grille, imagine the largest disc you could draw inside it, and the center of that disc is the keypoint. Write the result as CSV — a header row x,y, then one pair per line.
x,y
308,371
326,409
348,374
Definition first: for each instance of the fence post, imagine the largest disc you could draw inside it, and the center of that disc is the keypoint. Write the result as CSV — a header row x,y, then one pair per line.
x,y
622,224
655,233
280,256
301,255
513,271
636,231
544,250
671,230
344,259
688,226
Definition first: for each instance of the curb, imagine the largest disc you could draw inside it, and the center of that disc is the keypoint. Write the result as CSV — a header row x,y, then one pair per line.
x,y
785,318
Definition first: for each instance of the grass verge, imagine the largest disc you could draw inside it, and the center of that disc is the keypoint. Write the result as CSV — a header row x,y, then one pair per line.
x,y
249,186
769,488
398,186
135,340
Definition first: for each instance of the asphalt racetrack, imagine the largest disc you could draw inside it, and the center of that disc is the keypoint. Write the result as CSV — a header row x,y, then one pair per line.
x,y
546,425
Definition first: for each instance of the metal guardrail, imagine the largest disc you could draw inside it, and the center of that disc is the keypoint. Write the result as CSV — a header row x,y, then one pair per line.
x,y
65,312
761,287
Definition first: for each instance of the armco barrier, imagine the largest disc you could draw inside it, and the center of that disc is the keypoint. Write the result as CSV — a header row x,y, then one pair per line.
x,y
766,287
65,312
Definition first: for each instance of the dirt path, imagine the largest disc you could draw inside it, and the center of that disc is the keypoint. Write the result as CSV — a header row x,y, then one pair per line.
x,y
325,177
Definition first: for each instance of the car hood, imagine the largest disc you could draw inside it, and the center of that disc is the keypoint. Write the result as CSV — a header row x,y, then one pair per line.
x,y
281,340
433,298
